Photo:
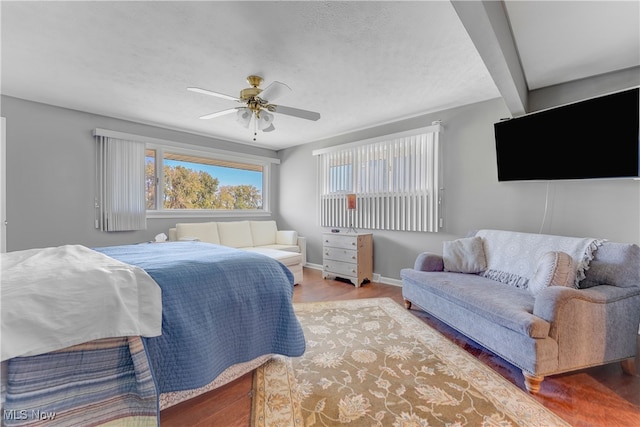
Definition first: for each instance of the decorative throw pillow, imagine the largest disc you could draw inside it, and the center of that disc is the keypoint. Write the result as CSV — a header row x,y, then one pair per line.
x,y
464,255
554,269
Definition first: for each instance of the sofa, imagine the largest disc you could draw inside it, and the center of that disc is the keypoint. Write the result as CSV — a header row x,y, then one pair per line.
x,y
255,236
546,304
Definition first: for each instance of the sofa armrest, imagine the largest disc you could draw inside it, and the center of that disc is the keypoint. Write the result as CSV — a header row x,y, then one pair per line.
x,y
286,237
429,261
552,300
302,243
591,325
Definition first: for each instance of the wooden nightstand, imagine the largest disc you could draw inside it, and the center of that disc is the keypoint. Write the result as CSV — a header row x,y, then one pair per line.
x,y
348,255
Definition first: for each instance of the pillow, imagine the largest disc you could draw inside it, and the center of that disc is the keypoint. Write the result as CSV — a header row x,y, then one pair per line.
x,y
554,269
464,255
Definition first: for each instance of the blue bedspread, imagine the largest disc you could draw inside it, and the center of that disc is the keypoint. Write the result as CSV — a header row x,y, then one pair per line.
x,y
221,306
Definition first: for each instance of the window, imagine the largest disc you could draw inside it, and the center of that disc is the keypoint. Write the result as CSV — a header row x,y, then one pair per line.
x,y
178,180
186,180
396,179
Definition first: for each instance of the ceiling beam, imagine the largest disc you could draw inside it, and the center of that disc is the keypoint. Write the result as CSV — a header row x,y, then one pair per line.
x,y
487,24
589,87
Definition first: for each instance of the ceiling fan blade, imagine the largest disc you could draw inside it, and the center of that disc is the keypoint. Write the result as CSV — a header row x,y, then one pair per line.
x,y
274,90
219,113
296,112
209,92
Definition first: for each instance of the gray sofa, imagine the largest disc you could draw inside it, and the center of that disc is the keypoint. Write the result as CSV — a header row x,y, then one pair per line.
x,y
590,320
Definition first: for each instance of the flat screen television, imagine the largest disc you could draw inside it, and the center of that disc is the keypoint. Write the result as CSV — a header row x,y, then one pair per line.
x,y
596,138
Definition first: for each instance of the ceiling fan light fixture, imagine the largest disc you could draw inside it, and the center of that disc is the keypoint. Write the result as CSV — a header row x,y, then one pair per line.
x,y
244,116
269,129
265,120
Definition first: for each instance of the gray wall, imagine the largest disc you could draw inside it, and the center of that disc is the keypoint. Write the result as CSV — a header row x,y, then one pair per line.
x,y
473,196
50,186
51,175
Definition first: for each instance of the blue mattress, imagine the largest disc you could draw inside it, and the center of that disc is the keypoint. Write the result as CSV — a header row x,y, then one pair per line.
x,y
221,306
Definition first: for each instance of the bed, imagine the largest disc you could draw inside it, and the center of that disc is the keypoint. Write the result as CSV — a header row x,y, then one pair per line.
x,y
221,312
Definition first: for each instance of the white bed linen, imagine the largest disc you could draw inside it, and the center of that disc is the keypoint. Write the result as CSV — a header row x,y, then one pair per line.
x,y
53,298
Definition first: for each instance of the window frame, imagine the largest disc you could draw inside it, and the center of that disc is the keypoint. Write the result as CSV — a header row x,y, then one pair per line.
x,y
204,152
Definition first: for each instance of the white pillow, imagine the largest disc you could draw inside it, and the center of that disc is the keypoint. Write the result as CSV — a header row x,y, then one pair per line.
x,y
236,234
203,231
464,255
554,269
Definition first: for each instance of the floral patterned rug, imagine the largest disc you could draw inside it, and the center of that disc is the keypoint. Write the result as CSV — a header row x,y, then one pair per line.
x,y
369,362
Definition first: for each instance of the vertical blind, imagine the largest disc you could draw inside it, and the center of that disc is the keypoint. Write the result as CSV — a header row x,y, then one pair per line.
x,y
396,180
120,199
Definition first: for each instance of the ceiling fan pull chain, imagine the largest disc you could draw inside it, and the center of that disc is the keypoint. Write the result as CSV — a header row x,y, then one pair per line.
x,y
255,126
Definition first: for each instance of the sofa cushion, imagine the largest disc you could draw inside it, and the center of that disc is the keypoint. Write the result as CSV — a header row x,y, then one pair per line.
x,y
497,302
203,231
286,257
289,248
554,269
263,232
616,264
236,234
464,255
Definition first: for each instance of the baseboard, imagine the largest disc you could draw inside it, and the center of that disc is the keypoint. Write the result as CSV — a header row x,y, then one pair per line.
x,y
376,277
313,266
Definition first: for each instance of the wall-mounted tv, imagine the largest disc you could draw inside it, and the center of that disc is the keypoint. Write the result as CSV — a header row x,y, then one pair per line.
x,y
596,138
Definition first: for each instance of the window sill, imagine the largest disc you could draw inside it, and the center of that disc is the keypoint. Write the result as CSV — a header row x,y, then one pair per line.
x,y
207,214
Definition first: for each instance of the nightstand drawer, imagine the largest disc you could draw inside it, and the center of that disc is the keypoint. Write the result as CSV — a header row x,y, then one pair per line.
x,y
339,254
346,242
340,268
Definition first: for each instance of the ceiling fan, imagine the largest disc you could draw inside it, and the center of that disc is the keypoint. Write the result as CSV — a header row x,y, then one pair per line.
x,y
257,105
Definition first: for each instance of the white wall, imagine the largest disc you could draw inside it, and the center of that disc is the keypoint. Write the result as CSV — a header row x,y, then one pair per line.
x,y
473,196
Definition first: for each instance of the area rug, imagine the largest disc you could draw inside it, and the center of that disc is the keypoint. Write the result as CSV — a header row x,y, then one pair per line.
x,y
370,362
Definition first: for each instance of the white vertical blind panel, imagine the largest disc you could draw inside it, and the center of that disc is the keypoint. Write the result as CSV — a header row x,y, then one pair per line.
x,y
121,189
396,183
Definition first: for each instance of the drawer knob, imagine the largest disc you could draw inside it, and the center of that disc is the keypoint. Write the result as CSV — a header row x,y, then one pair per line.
x,y
353,243
353,257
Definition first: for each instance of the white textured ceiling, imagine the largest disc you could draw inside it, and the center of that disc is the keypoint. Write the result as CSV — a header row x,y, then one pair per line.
x,y
358,64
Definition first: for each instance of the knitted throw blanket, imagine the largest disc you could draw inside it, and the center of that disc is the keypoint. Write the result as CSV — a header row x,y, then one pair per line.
x,y
512,257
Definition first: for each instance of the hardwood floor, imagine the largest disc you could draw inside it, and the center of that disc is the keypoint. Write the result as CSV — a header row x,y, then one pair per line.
x,y
600,396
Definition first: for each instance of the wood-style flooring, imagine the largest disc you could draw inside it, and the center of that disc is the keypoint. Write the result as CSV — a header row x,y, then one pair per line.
x,y
600,396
